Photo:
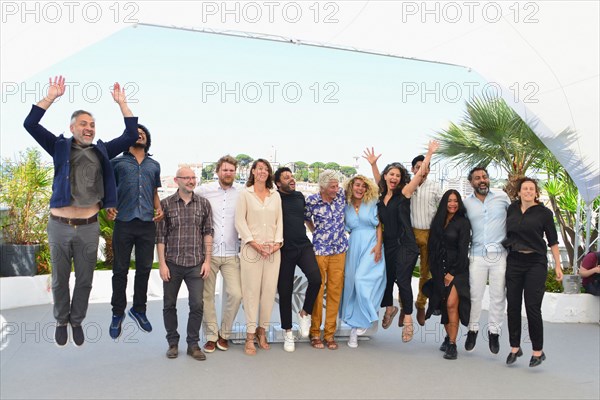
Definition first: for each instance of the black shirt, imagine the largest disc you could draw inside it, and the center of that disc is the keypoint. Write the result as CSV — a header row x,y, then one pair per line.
x,y
294,231
525,231
397,228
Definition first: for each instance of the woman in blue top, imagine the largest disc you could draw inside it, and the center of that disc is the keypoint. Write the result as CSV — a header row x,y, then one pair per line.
x,y
364,276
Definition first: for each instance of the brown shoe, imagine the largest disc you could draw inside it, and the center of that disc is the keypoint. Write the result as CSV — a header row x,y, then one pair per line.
x,y
222,344
421,316
173,351
196,353
210,346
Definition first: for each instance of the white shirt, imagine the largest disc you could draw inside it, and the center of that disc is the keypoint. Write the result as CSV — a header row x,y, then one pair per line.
x,y
488,222
225,239
424,203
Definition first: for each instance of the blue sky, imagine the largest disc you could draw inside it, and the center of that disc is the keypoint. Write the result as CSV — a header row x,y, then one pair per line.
x,y
298,103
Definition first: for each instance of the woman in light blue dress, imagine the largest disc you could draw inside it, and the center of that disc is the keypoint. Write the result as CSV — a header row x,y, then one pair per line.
x,y
364,275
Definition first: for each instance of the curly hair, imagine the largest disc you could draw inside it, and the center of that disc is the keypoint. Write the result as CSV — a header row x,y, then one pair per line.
x,y
370,194
520,183
404,178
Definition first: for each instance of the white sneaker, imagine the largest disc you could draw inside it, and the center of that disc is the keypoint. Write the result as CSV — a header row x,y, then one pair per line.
x,y
288,342
304,325
353,340
361,331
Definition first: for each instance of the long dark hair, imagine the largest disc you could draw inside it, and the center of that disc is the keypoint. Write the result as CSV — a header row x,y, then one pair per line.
x,y
436,232
269,183
404,178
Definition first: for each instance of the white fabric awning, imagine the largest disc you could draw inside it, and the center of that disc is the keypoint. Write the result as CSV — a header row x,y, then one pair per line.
x,y
543,54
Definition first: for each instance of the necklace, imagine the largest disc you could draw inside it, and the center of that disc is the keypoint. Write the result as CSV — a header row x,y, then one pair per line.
x,y
356,207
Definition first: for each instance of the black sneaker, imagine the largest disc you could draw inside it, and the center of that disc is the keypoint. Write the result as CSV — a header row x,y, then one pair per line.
x,y
494,342
115,326
471,340
451,352
61,335
141,320
445,344
78,336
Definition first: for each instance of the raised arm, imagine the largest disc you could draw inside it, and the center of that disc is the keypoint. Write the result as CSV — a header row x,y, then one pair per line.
x,y
55,90
414,183
118,95
370,156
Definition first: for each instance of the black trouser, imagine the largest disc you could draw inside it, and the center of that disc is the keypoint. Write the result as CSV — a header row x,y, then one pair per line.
x,y
526,277
305,259
140,234
399,264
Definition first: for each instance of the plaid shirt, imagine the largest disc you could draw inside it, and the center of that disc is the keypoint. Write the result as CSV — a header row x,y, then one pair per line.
x,y
183,229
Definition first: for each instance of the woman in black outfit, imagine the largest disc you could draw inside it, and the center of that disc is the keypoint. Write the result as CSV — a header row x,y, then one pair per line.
x,y
399,243
448,249
527,220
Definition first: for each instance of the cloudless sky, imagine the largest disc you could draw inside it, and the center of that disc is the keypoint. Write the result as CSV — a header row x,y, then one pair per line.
x,y
291,102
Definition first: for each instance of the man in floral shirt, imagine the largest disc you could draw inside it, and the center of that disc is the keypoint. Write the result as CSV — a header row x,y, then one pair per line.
x,y
324,215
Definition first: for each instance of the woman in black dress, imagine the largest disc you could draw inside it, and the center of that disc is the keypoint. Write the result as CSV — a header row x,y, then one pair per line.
x,y
448,248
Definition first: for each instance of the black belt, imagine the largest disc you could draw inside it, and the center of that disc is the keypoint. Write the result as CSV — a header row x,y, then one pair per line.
x,y
75,221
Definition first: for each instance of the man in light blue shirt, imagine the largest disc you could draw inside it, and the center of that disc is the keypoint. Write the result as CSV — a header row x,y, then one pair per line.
x,y
486,211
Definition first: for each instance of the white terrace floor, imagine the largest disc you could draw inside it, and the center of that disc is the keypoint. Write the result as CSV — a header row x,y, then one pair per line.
x,y
135,367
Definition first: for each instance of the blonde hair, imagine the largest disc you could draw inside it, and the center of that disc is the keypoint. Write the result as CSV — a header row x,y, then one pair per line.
x,y
370,194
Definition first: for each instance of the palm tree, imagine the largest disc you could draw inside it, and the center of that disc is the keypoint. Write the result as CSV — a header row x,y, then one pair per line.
x,y
492,132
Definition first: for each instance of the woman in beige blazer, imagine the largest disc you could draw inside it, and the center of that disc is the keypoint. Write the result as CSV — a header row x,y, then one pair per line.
x,y
259,221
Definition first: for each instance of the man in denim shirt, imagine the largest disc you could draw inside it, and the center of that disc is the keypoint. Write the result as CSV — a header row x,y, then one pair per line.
x,y
486,210
138,180
324,216
84,183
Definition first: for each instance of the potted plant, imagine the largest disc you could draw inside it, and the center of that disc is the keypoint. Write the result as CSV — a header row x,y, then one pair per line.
x,y
25,188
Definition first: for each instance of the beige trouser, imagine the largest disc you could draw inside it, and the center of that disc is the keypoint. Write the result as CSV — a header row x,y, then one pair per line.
x,y
422,237
259,285
230,271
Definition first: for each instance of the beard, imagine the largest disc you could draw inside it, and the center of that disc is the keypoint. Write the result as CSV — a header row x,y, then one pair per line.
x,y
139,145
482,190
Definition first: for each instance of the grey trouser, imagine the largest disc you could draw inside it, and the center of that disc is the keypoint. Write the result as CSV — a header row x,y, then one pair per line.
x,y
77,245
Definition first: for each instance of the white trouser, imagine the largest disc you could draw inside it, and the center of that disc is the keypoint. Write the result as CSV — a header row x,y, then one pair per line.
x,y
490,268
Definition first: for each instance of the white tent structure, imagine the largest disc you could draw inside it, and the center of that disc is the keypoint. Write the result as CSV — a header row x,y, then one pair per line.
x,y
542,56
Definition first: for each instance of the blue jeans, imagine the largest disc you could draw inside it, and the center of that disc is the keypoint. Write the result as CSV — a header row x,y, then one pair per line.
x,y
195,285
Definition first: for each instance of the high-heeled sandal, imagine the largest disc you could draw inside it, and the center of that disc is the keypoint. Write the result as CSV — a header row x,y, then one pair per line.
x,y
249,348
261,334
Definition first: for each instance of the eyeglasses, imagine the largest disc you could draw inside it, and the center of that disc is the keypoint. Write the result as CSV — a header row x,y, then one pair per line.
x,y
187,178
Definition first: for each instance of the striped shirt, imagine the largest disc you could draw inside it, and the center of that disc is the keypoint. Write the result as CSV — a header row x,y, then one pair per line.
x,y
183,229
424,203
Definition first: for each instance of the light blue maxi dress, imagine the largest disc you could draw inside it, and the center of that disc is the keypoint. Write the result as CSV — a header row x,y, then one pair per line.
x,y
364,280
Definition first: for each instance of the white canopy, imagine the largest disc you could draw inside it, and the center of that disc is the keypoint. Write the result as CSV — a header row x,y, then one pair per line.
x,y
544,54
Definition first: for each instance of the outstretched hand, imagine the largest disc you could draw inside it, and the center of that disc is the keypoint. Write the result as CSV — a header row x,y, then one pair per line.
x,y
56,88
434,145
370,156
118,94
